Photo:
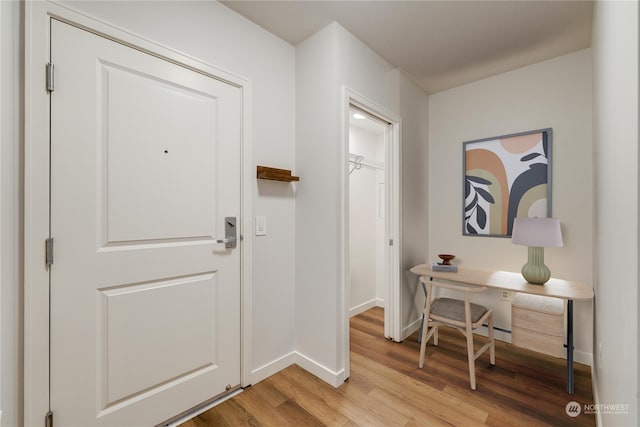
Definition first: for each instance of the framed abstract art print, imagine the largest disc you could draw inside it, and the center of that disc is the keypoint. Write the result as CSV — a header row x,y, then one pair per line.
x,y
505,177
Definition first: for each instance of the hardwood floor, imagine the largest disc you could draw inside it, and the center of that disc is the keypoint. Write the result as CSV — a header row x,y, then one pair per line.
x,y
387,388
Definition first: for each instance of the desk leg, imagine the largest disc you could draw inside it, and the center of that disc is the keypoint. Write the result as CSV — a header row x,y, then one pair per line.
x,y
570,384
424,289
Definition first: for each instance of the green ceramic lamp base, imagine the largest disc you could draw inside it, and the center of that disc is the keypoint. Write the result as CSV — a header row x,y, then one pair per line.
x,y
534,271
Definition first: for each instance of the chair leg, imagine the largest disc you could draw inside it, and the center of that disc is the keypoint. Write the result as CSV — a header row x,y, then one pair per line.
x,y
428,332
423,343
435,336
492,349
425,326
472,359
471,354
421,327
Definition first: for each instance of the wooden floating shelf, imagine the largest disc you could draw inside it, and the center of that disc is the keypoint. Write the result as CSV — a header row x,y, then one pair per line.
x,y
274,174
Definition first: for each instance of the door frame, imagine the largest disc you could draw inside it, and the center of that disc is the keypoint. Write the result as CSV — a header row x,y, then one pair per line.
x,y
393,306
38,17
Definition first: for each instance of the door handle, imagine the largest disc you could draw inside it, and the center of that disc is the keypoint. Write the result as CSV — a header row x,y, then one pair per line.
x,y
230,235
225,240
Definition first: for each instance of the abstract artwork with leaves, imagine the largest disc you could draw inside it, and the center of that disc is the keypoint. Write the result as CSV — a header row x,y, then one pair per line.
x,y
506,177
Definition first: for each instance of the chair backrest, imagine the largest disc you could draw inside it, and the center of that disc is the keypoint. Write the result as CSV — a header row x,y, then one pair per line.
x,y
449,309
453,286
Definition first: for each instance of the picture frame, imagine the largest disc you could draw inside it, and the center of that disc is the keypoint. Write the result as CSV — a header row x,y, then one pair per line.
x,y
505,177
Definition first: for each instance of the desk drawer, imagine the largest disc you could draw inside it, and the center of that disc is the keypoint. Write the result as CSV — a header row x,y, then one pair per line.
x,y
537,323
538,341
549,324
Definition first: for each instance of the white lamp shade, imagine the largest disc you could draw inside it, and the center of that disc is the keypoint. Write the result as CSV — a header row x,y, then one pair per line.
x,y
541,232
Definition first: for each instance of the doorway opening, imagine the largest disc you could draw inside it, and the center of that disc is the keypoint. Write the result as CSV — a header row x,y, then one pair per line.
x,y
371,216
367,268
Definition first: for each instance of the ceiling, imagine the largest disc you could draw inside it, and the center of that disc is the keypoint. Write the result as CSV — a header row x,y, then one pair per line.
x,y
439,44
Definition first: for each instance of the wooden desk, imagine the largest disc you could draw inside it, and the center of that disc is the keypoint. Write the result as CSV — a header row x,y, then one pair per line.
x,y
513,282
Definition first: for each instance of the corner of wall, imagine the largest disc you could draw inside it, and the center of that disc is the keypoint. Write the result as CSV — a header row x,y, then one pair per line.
x,y
316,212
334,378
615,39
273,367
413,108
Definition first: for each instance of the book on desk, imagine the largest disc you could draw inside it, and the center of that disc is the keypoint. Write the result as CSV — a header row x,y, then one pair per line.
x,y
436,266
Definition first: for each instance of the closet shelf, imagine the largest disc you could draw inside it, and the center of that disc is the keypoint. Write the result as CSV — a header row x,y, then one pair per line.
x,y
274,174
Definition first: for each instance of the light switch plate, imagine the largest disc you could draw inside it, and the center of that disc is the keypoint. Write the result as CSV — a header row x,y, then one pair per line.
x,y
261,226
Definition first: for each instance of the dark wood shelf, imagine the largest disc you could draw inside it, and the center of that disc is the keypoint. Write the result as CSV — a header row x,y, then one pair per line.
x,y
274,174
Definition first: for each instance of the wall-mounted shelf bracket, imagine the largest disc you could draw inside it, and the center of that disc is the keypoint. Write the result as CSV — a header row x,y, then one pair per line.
x,y
274,174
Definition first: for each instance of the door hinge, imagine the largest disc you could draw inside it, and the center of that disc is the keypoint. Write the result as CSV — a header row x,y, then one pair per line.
x,y
48,419
50,77
390,242
48,254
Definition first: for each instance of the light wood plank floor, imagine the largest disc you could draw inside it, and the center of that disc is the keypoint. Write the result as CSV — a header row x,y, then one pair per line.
x,y
387,388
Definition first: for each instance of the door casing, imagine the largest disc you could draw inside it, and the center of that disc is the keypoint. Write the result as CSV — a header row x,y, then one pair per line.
x,y
36,187
393,306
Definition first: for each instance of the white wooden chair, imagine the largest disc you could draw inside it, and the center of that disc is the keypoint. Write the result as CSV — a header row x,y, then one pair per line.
x,y
463,315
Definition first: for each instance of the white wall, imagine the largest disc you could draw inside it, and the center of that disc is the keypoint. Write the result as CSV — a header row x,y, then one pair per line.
x,y
412,103
317,262
11,43
556,94
615,70
327,61
366,226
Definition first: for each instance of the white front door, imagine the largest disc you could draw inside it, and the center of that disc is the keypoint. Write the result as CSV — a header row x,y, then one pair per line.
x,y
145,169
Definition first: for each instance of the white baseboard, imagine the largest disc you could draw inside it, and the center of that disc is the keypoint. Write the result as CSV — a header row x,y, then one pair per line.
x,y
361,308
325,374
411,328
583,357
273,367
306,363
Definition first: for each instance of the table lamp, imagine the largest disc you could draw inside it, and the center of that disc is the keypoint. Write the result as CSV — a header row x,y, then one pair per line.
x,y
536,233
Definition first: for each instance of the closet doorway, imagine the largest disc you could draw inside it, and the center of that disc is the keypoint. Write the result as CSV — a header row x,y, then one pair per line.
x,y
370,219
372,212
368,275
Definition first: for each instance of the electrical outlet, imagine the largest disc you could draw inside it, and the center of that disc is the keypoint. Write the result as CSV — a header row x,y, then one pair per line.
x,y
505,295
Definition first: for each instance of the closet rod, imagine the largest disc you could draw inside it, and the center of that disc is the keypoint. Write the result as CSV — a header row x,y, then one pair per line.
x,y
359,161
